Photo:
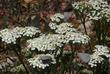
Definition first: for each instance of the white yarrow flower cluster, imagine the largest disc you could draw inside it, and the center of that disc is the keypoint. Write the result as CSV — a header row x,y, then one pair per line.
x,y
57,17
10,35
81,6
30,31
53,26
65,28
52,41
6,36
96,58
17,32
95,9
46,42
42,61
76,38
62,28
100,9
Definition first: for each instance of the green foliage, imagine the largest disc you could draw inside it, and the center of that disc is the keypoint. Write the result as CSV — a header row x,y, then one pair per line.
x,y
18,69
86,71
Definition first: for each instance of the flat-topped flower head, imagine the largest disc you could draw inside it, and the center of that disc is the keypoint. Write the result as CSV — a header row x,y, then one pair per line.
x,y
53,26
76,38
81,6
57,17
18,32
42,61
95,59
101,48
99,51
62,28
6,36
46,42
10,35
94,9
100,9
30,31
51,41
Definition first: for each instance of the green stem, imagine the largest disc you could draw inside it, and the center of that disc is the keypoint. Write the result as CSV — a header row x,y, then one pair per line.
x,y
20,59
98,30
17,50
83,20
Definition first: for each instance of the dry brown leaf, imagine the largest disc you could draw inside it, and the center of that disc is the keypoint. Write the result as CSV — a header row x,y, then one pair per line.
x,y
28,1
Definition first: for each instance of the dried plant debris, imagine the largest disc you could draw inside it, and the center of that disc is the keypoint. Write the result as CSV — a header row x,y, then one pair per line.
x,y
6,62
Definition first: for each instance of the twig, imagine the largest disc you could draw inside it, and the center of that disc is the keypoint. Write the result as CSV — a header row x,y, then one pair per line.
x,y
21,60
